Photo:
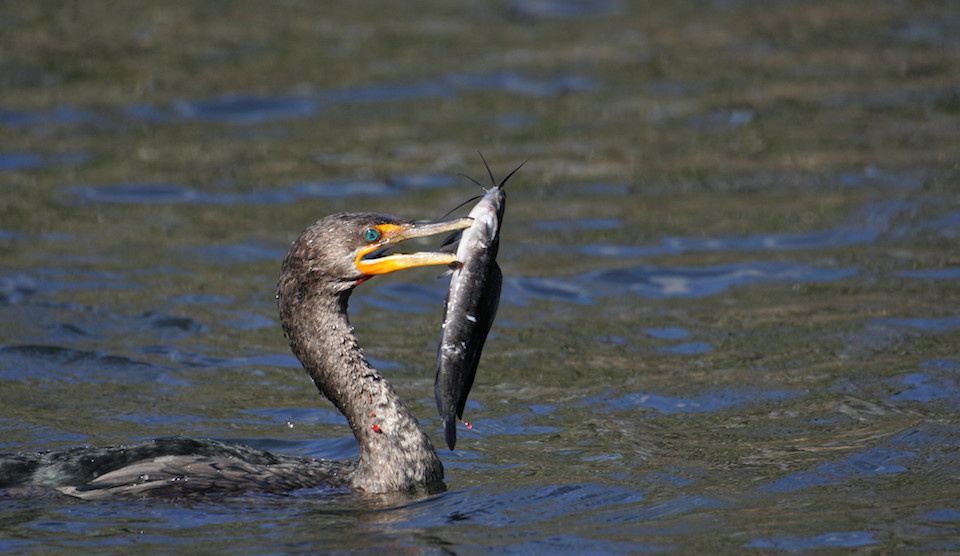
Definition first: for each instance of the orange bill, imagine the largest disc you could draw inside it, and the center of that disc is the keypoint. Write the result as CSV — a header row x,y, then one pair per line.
x,y
391,234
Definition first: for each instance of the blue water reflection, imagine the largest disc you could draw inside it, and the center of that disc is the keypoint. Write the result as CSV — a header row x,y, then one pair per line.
x,y
57,364
565,9
16,161
895,456
707,402
766,242
248,109
685,282
851,539
240,109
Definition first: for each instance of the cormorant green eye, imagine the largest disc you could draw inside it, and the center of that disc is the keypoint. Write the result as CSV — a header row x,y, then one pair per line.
x,y
371,235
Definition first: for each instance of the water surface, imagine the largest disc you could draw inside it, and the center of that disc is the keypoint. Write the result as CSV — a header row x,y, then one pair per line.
x,y
730,318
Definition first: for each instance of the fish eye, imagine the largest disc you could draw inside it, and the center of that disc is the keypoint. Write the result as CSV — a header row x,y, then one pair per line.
x,y
371,235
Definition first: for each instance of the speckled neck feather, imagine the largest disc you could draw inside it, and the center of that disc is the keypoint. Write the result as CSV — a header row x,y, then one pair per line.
x,y
395,453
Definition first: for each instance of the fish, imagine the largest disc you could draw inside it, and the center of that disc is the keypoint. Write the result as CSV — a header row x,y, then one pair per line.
x,y
470,306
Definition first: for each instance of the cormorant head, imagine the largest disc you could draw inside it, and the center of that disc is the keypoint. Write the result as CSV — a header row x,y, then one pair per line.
x,y
343,250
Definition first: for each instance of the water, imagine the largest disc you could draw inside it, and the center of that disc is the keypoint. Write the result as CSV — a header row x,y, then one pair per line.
x,y
730,318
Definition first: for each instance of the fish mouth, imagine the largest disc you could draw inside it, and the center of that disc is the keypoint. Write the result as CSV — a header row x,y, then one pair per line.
x,y
375,258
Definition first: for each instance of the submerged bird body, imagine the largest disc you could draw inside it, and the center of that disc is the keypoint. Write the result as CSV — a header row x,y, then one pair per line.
x,y
166,467
321,269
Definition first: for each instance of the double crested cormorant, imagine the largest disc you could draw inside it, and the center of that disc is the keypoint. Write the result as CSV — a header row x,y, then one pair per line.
x,y
321,269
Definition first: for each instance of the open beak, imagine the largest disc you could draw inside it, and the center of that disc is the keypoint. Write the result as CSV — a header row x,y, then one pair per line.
x,y
390,234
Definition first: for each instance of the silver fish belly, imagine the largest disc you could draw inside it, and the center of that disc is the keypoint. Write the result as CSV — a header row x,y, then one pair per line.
x,y
469,310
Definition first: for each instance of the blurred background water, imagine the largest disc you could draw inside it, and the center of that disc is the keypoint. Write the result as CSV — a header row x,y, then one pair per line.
x,y
731,314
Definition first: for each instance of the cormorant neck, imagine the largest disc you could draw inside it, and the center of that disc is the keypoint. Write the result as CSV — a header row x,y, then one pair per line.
x,y
395,453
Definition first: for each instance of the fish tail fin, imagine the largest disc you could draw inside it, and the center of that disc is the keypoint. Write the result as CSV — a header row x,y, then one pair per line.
x,y
450,429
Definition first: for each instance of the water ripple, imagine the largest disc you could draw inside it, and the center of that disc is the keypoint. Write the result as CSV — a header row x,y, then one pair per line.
x,y
766,242
850,539
933,274
896,455
32,362
707,402
31,160
565,9
244,109
666,282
